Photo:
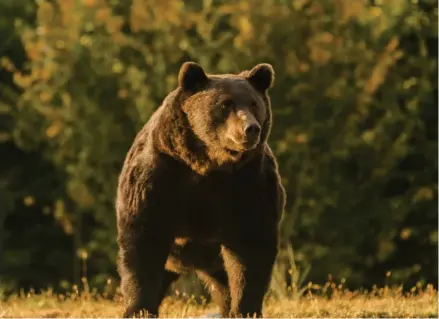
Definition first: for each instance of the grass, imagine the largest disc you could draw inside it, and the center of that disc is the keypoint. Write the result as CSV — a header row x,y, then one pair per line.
x,y
378,303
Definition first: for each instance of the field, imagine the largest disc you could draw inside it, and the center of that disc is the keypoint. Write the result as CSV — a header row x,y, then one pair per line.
x,y
378,303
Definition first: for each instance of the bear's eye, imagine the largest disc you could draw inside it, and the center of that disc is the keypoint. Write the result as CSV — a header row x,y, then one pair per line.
x,y
227,104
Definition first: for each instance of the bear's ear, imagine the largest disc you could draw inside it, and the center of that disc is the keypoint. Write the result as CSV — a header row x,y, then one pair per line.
x,y
261,77
192,77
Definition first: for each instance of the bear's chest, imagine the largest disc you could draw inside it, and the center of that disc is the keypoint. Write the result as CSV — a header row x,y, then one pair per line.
x,y
206,205
208,196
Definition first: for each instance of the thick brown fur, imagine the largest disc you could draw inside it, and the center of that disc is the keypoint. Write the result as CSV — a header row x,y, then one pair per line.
x,y
200,190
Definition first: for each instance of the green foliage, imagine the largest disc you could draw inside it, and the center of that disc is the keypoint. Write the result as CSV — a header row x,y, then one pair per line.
x,y
353,99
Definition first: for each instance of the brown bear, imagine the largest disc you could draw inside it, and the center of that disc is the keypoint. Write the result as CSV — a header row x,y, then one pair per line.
x,y
200,189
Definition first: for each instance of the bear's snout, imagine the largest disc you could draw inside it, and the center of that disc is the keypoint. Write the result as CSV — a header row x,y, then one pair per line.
x,y
252,131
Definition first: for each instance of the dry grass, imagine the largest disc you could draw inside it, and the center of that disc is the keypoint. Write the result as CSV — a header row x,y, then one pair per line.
x,y
379,303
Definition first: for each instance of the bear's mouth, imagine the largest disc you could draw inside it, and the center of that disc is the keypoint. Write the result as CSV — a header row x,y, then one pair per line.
x,y
244,145
249,145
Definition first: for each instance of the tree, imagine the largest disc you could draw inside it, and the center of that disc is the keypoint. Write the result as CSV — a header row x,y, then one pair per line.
x,y
352,129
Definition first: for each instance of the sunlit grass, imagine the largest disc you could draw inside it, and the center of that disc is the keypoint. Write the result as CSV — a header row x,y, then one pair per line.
x,y
380,302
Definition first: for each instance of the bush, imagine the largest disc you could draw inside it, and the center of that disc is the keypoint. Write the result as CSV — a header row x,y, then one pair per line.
x,y
355,86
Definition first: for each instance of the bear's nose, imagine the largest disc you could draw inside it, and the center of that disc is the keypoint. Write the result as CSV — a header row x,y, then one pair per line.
x,y
252,130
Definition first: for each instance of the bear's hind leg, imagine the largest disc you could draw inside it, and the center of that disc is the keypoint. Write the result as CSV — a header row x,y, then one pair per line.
x,y
169,278
218,285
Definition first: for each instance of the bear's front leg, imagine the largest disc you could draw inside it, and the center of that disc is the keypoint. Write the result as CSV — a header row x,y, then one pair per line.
x,y
249,261
142,255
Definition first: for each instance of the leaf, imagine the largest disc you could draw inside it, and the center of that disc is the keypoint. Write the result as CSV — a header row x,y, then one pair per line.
x,y
54,129
45,13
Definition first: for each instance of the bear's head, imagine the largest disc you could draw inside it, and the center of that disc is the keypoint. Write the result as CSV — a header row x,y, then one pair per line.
x,y
229,113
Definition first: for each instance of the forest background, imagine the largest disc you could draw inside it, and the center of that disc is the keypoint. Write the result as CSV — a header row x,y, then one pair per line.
x,y
355,128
